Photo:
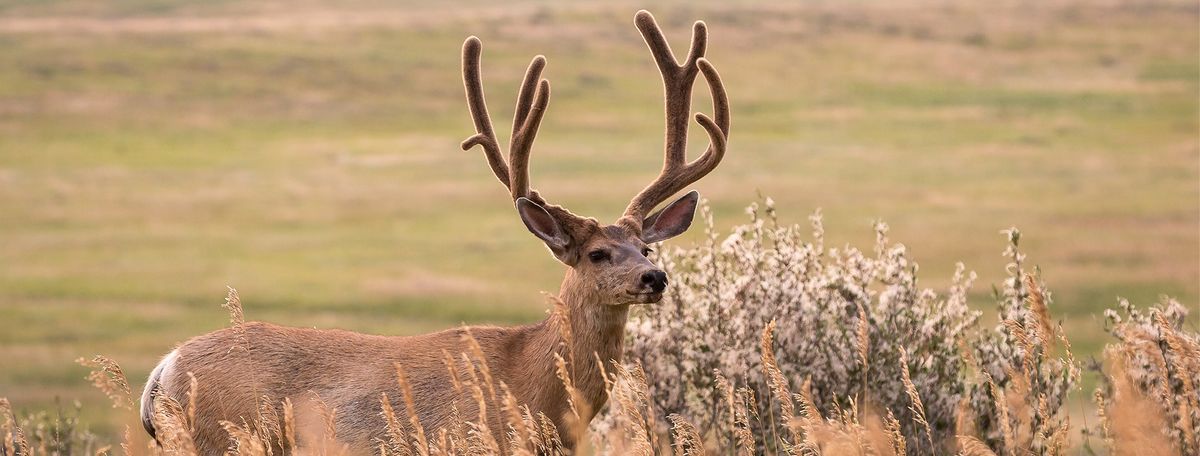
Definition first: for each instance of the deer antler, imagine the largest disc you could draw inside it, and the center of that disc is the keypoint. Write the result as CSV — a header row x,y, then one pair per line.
x,y
531,106
678,80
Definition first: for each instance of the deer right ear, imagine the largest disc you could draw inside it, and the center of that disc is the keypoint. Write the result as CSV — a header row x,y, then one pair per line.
x,y
543,225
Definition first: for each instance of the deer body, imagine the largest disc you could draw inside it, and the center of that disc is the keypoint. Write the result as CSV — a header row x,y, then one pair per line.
x,y
348,371
239,369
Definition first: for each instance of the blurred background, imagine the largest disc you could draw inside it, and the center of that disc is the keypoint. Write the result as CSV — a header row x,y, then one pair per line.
x,y
153,152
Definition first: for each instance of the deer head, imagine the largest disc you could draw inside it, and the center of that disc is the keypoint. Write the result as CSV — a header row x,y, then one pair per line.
x,y
608,260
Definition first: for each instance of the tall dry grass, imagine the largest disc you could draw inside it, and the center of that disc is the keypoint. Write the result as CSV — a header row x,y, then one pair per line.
x,y
907,386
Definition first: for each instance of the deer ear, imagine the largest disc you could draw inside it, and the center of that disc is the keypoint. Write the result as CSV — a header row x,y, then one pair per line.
x,y
672,220
543,225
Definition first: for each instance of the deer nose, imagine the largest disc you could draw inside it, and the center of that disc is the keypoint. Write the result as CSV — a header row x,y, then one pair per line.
x,y
656,280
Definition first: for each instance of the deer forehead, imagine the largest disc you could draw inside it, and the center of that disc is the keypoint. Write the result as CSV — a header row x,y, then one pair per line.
x,y
614,236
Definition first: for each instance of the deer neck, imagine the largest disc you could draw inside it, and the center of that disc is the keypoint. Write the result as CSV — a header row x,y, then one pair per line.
x,y
596,328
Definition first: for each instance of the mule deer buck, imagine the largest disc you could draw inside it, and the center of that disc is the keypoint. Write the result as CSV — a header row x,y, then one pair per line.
x,y
607,271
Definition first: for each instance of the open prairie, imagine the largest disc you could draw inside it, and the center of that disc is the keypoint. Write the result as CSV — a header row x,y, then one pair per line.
x,y
152,153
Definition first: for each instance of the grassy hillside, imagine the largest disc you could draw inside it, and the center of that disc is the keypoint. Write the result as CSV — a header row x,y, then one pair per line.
x,y
152,153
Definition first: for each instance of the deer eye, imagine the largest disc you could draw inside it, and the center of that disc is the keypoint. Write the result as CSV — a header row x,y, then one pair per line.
x,y
598,255
646,251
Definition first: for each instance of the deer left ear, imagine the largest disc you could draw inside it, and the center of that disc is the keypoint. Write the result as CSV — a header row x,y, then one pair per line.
x,y
672,220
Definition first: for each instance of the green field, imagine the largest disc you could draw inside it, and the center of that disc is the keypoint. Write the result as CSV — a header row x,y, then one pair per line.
x,y
153,152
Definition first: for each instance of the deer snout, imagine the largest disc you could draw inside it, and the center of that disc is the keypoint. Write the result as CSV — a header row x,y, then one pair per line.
x,y
656,280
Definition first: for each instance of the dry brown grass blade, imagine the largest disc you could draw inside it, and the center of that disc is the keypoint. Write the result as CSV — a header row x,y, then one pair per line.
x,y
892,425
243,441
1036,301
237,318
415,428
107,376
875,432
1136,422
330,445
1001,404
233,304
170,426
631,402
964,417
127,441
778,385
520,435
687,440
971,446
480,362
575,399
741,435
397,442
267,425
190,409
918,407
863,331
289,425
1102,416
1185,363
1016,396
14,437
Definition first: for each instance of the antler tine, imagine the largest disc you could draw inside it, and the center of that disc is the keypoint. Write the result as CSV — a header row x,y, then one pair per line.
x,y
678,81
531,106
484,136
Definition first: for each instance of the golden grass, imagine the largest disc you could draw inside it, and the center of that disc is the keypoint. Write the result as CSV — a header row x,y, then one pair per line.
x,y
1133,418
108,377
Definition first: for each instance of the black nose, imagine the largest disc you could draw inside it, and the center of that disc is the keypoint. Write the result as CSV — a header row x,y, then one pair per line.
x,y
656,280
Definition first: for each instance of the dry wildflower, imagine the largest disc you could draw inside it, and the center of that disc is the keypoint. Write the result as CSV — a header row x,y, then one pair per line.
x,y
107,376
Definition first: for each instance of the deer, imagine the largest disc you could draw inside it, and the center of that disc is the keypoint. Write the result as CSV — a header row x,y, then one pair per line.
x,y
608,270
